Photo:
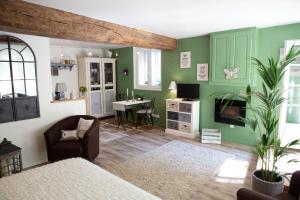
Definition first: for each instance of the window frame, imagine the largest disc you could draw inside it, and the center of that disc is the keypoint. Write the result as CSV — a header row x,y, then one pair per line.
x,y
149,86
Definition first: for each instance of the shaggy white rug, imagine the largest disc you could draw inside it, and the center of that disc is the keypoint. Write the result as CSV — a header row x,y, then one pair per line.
x,y
176,170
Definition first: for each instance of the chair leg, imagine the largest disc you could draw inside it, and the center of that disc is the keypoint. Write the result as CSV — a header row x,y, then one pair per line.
x,y
145,119
119,118
137,121
151,118
126,115
132,115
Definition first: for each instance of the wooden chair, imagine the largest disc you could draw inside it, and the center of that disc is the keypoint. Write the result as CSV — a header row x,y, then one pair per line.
x,y
146,112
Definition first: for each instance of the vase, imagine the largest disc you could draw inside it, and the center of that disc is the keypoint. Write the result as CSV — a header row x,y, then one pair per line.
x,y
266,187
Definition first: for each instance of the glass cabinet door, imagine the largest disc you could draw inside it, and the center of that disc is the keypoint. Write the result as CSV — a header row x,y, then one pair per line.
x,y
108,73
95,78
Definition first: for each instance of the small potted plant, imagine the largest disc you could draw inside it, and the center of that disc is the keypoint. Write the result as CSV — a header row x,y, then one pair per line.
x,y
264,121
82,91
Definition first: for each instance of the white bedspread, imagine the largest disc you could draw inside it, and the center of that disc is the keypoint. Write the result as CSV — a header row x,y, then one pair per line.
x,y
69,179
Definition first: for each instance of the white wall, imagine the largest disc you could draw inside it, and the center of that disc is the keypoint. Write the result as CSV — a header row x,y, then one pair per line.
x,y
28,134
65,75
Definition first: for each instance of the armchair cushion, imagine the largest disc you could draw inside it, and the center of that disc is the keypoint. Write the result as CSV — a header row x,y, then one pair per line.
x,y
67,149
69,135
83,126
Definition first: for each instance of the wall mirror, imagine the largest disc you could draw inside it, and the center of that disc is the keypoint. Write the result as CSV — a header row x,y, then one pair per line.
x,y
18,80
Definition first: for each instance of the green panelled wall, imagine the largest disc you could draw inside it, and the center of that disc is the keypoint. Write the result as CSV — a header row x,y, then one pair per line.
x,y
269,41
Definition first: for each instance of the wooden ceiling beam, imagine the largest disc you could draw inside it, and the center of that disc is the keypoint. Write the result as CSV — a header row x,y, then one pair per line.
x,y
27,18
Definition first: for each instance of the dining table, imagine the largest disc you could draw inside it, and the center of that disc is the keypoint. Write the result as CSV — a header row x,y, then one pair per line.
x,y
121,106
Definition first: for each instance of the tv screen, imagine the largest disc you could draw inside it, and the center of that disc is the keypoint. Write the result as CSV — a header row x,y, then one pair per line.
x,y
188,91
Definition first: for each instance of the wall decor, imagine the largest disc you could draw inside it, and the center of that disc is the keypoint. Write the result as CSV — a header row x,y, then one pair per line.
x,y
185,59
18,81
231,73
125,72
202,72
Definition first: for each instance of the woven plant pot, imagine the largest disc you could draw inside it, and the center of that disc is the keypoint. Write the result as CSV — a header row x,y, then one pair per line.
x,y
266,187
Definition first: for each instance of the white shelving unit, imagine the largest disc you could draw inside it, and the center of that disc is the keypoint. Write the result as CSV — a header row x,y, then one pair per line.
x,y
182,117
98,75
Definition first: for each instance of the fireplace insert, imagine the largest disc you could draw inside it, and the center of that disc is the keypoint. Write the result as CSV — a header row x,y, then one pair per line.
x,y
231,113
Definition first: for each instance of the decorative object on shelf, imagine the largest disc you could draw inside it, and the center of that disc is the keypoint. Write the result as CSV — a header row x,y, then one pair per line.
x,y
60,90
116,54
54,71
82,90
125,72
202,72
185,59
109,53
10,158
212,136
231,73
89,54
264,120
72,94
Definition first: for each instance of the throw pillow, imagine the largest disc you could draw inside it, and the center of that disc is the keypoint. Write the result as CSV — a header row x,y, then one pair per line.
x,y
83,126
69,135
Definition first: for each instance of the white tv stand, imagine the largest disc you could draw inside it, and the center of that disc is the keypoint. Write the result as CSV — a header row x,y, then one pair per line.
x,y
182,117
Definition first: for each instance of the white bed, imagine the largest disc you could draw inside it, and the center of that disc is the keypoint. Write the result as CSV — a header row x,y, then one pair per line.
x,y
69,179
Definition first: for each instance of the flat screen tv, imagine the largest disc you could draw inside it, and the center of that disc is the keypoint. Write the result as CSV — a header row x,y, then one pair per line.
x,y
188,91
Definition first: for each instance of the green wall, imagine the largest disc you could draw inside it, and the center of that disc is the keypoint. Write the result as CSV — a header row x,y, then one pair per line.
x,y
269,41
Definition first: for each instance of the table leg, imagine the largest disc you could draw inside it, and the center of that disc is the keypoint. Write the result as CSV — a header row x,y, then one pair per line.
x,y
120,119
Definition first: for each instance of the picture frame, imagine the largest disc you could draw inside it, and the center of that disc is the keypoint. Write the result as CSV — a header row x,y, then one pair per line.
x,y
185,59
202,72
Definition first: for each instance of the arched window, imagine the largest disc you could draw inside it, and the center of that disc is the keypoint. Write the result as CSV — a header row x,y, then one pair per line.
x,y
18,80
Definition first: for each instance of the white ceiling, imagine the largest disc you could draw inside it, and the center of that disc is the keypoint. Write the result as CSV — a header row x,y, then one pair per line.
x,y
184,18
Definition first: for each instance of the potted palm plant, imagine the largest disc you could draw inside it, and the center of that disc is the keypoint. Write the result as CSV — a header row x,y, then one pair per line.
x,y
264,121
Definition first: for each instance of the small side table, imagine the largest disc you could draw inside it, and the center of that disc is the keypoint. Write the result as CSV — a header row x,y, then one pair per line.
x,y
10,158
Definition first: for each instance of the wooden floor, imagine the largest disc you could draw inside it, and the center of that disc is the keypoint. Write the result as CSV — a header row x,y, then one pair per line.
x,y
117,146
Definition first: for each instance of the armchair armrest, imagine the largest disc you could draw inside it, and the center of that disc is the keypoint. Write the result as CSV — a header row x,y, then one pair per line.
x,y
53,134
294,188
91,141
246,194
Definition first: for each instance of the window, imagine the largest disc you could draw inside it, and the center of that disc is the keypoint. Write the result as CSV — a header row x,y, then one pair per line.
x,y
147,69
18,81
290,117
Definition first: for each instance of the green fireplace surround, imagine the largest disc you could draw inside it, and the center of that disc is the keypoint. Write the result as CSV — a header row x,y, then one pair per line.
x,y
268,42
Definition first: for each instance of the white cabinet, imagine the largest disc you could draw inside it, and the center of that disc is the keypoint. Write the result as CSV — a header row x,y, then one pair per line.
x,y
182,117
98,75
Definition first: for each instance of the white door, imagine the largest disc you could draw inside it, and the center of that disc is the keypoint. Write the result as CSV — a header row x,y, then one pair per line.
x,y
108,66
290,110
95,89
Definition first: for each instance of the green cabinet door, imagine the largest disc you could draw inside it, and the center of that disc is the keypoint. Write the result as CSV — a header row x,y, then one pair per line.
x,y
238,48
221,54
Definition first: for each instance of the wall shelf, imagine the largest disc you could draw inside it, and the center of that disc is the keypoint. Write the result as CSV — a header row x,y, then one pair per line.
x,y
62,66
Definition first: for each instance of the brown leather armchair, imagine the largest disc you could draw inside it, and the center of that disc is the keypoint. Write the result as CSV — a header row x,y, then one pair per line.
x,y
88,147
292,194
